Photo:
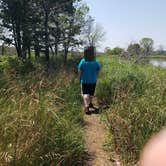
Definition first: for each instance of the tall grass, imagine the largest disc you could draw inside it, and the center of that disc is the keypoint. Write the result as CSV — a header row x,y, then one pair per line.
x,y
136,96
40,117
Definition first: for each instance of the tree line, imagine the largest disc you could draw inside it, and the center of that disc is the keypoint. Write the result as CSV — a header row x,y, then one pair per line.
x,y
45,26
137,51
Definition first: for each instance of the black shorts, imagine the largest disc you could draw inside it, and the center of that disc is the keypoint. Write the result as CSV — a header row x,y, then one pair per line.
x,y
88,89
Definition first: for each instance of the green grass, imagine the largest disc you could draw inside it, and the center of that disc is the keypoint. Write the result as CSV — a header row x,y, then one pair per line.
x,y
40,117
136,95
158,56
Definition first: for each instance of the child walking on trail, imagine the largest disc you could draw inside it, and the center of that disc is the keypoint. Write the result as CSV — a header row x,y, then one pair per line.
x,y
88,69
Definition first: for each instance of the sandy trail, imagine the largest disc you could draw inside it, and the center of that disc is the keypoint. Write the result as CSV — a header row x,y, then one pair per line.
x,y
95,136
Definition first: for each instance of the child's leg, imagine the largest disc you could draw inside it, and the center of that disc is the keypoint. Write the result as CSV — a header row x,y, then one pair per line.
x,y
83,103
92,91
85,95
90,103
86,100
91,98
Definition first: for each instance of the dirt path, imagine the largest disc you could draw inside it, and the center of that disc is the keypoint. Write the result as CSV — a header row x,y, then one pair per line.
x,y
95,138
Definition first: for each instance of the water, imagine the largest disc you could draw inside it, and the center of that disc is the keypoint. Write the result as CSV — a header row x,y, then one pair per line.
x,y
158,62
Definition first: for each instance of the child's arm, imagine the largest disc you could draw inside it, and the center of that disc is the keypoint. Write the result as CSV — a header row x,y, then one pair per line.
x,y
80,68
79,74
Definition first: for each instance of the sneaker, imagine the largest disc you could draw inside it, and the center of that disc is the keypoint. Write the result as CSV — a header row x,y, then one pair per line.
x,y
86,110
91,105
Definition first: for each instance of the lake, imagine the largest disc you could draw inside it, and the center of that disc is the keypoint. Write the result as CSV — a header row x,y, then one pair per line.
x,y
158,62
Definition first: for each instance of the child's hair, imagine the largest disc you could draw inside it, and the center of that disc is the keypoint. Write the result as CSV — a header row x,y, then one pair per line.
x,y
89,53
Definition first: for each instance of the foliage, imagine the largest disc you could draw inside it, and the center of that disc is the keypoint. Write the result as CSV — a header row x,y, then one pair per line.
x,y
15,16
41,25
71,27
93,33
147,46
114,51
134,50
136,96
40,115
107,51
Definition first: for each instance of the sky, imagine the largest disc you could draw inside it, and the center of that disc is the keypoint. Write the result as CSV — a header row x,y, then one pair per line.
x,y
126,21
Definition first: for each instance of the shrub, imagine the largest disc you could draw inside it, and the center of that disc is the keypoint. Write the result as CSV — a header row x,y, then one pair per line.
x,y
21,67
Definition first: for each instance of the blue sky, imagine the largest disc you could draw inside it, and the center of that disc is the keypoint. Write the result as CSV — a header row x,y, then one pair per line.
x,y
126,21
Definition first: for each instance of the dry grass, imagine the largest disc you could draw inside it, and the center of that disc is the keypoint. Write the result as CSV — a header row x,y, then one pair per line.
x,y
38,124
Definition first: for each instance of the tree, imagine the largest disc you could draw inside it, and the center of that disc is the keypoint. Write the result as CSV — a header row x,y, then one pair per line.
x,y
71,27
147,46
42,25
37,27
116,51
107,51
55,33
46,6
64,24
14,16
2,45
1,33
134,50
94,32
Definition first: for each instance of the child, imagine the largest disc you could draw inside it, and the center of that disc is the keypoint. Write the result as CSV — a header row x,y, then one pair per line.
x,y
88,69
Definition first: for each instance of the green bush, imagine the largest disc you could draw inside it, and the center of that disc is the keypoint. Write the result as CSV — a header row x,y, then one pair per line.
x,y
21,67
4,64
13,65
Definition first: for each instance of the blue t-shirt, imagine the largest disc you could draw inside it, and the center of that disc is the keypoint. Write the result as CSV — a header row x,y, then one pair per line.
x,y
89,71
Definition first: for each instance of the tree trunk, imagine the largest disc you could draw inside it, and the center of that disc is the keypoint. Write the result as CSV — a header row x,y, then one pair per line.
x,y
18,38
37,49
56,49
29,52
46,32
47,53
36,46
24,45
65,54
3,49
15,34
52,51
37,52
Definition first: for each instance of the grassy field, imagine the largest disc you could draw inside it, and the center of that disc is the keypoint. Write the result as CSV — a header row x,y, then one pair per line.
x,y
136,96
40,117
